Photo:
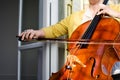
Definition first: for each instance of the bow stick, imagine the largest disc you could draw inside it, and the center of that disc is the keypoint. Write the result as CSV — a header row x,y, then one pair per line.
x,y
82,41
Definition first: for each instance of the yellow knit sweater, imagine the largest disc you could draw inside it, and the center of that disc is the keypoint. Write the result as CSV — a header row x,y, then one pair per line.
x,y
68,25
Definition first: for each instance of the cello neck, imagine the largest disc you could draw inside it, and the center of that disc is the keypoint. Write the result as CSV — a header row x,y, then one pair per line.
x,y
105,2
90,30
92,26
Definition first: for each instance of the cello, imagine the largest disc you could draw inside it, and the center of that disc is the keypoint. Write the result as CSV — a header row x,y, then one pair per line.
x,y
91,61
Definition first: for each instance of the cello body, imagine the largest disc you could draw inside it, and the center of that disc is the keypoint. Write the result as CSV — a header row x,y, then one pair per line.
x,y
97,58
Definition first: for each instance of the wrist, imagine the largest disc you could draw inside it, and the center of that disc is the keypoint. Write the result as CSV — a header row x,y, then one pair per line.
x,y
40,33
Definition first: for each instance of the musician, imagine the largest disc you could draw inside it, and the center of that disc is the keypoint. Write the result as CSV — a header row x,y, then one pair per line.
x,y
70,23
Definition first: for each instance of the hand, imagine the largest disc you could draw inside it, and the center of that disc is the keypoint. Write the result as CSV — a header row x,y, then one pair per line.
x,y
30,34
106,10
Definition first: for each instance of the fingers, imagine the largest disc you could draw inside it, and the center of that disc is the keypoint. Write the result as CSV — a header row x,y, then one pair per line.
x,y
104,10
101,9
27,35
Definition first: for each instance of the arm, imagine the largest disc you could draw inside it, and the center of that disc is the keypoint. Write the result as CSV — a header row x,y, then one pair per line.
x,y
52,31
